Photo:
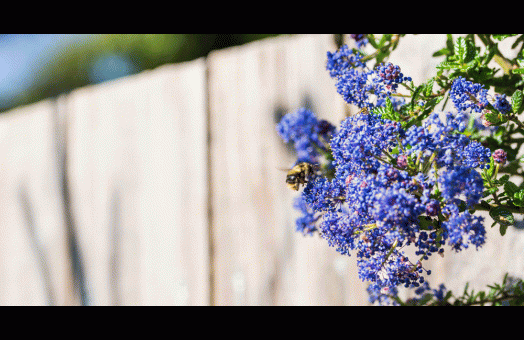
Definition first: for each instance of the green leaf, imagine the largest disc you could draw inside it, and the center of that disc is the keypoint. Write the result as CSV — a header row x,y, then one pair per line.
x,y
425,299
489,54
389,105
502,216
492,117
469,66
442,51
492,190
447,65
449,42
518,198
516,102
429,87
518,203
461,49
518,71
415,94
503,229
510,188
471,52
426,223
371,40
519,194
491,167
387,112
504,179
500,37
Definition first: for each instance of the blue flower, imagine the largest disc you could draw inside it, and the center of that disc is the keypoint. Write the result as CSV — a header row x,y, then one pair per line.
x,y
357,83
308,134
306,223
468,95
461,181
463,229
502,104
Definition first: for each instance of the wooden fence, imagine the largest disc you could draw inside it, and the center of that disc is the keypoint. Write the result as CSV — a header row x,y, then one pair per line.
x,y
164,188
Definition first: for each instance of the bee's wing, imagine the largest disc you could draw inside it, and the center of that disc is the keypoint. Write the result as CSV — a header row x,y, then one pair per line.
x,y
281,169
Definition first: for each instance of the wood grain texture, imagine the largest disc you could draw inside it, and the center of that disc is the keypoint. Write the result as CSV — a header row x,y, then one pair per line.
x,y
259,259
34,260
137,167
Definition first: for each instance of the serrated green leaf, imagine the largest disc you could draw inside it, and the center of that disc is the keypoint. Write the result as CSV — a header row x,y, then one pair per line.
x,y
449,42
491,167
471,52
503,229
503,179
516,101
460,49
470,65
379,110
489,54
389,105
519,194
510,188
502,216
518,198
429,87
492,117
442,51
518,71
518,203
448,65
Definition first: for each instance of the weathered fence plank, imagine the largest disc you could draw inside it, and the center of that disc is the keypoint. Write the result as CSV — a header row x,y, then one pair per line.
x,y
137,163
259,259
34,261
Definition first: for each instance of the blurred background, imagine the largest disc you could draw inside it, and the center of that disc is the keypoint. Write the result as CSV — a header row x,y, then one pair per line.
x,y
37,66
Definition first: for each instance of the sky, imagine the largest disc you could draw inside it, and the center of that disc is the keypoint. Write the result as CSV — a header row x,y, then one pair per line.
x,y
21,55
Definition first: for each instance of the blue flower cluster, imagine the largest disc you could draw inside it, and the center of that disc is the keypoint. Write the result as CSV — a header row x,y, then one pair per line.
x,y
360,85
386,296
309,135
468,95
391,75
392,188
306,223
501,103
395,188
360,40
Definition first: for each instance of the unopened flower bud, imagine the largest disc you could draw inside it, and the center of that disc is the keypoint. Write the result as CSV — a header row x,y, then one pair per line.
x,y
500,156
402,161
432,208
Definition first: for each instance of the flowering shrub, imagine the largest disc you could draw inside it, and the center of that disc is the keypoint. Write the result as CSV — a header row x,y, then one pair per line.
x,y
402,173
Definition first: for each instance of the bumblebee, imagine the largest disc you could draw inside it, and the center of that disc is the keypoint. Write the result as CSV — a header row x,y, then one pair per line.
x,y
363,110
300,174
